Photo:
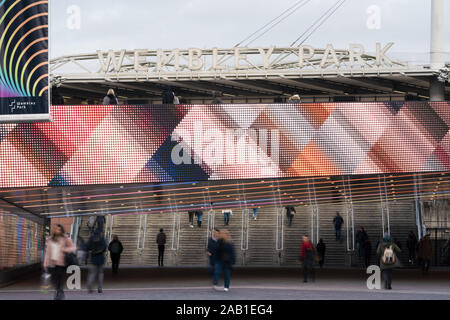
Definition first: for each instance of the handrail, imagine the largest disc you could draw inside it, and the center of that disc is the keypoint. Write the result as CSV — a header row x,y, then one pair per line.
x,y
387,205
279,236
244,229
382,207
352,213
176,226
143,230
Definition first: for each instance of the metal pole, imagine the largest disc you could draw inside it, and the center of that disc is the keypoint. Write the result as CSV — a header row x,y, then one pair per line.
x,y
437,57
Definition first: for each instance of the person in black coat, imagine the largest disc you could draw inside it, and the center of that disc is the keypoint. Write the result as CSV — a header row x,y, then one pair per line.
x,y
226,258
115,249
168,95
290,211
361,237
161,242
411,244
321,247
97,246
211,250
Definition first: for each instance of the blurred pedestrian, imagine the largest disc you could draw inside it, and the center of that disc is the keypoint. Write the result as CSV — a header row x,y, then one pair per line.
x,y
97,247
226,258
161,241
337,222
226,216
321,248
411,244
307,258
367,249
110,98
58,245
361,237
388,253
115,249
81,251
425,253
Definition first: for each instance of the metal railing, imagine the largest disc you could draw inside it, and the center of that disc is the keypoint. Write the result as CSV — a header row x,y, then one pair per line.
x,y
350,214
245,229
385,221
314,211
142,231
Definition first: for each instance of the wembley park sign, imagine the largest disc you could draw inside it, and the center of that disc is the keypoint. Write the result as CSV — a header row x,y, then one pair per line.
x,y
244,58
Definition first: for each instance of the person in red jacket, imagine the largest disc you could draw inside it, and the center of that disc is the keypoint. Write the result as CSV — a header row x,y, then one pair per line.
x,y
307,258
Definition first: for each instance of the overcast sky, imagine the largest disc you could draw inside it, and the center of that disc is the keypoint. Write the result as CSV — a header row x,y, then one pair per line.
x,y
144,24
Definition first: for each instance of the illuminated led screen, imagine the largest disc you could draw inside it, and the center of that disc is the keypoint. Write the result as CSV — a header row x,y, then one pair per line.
x,y
24,60
21,241
164,143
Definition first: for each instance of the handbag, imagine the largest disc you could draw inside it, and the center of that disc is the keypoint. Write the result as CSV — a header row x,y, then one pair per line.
x,y
70,259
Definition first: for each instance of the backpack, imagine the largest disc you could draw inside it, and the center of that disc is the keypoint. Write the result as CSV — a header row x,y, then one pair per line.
x,y
115,248
388,256
98,246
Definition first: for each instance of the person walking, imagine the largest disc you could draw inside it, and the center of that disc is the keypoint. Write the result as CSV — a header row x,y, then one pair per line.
x,y
161,241
307,258
361,237
110,98
191,218
56,248
388,253
321,248
425,253
290,211
168,95
337,222
411,244
226,258
255,213
211,250
115,249
81,251
226,216
199,215
97,246
367,249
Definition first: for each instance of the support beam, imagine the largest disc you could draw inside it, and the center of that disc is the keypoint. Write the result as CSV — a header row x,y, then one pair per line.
x,y
249,87
305,85
372,85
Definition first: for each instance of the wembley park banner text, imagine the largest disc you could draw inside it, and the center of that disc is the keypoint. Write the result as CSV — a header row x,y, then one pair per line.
x,y
24,81
165,143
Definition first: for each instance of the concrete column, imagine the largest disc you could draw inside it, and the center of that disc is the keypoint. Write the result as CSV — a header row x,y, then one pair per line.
x,y
437,57
437,90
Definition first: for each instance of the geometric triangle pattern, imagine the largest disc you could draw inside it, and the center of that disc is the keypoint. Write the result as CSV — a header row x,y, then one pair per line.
x,y
163,143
